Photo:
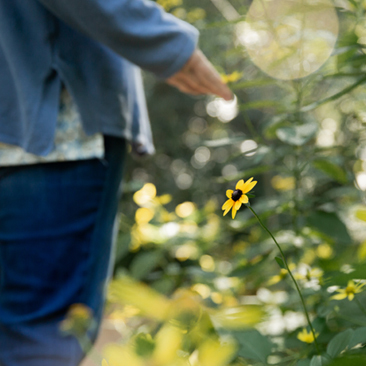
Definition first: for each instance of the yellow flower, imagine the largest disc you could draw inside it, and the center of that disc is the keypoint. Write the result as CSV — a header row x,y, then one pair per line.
x,y
238,197
349,291
283,274
78,319
277,278
307,337
231,78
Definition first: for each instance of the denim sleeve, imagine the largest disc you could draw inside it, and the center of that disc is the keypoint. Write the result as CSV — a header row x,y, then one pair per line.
x,y
138,30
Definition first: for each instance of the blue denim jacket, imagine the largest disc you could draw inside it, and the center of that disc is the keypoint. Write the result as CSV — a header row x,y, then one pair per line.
x,y
93,47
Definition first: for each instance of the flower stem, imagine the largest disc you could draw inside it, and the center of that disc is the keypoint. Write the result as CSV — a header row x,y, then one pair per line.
x,y
360,305
292,277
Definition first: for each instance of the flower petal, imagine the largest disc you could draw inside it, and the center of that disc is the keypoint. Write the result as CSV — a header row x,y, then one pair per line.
x,y
340,296
229,193
228,204
245,183
226,211
359,287
239,184
237,205
233,212
351,296
244,199
248,186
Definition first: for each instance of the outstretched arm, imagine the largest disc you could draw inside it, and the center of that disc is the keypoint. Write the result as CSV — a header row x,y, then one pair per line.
x,y
139,30
143,33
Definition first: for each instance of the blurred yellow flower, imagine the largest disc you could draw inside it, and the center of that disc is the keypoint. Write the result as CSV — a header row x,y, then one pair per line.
x,y
143,215
186,251
80,311
164,199
349,291
203,290
78,319
148,301
324,251
231,78
277,278
146,194
122,355
283,183
307,337
120,316
168,343
169,4
361,252
238,197
207,263
237,317
309,274
185,209
283,274
185,306
216,297
196,14
214,353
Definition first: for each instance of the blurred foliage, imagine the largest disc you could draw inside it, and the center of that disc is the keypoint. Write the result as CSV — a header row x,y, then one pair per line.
x,y
304,141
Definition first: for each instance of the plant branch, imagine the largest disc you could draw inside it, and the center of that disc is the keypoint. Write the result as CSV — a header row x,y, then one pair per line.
x,y
291,275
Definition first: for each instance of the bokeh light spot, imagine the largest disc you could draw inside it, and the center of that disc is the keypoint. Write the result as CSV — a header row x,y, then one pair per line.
x,y
185,209
207,263
289,39
144,215
145,194
224,110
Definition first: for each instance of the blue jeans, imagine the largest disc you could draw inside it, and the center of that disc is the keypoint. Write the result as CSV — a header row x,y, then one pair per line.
x,y
56,233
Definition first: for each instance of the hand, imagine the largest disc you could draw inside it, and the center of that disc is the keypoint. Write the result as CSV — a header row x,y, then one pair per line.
x,y
198,76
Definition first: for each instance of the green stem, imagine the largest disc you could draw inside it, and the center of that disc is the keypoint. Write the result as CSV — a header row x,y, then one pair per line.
x,y
360,305
292,277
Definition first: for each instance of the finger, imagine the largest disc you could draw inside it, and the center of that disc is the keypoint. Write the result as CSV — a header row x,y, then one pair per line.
x,y
191,80
211,80
207,76
184,88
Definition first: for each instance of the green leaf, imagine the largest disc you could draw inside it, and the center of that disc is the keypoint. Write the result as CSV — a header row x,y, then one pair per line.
x,y
275,123
144,345
329,224
345,91
280,262
339,343
332,170
164,285
254,345
253,83
353,2
359,336
349,360
361,214
297,135
318,361
144,263
248,268
305,362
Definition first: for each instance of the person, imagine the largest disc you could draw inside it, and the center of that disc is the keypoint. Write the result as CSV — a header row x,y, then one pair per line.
x,y
71,97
